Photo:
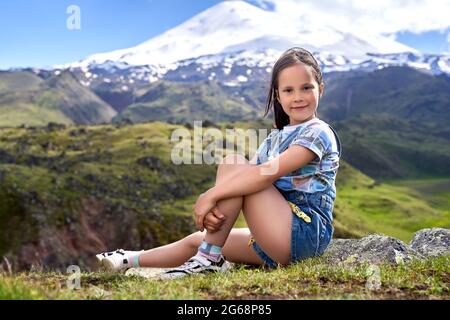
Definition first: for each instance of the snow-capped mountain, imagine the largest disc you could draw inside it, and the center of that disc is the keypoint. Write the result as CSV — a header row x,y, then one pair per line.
x,y
235,40
232,26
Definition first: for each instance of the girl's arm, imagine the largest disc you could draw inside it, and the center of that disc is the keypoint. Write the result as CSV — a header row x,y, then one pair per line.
x,y
259,177
251,179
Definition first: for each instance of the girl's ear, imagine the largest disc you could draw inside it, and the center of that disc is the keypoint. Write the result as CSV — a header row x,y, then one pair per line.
x,y
321,89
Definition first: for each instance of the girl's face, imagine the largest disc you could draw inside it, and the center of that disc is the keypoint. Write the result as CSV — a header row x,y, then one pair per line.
x,y
298,93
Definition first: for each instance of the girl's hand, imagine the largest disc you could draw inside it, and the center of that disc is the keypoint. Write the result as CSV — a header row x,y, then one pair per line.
x,y
205,203
214,220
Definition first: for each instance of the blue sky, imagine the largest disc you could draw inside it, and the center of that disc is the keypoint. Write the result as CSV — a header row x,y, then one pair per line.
x,y
429,41
34,32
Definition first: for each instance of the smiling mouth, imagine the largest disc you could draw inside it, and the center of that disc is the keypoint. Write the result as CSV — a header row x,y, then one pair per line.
x,y
299,107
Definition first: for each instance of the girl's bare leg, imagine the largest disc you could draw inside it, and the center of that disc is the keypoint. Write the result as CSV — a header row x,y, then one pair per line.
x,y
268,216
176,253
266,212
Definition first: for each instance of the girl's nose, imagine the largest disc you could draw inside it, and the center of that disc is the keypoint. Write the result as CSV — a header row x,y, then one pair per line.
x,y
298,96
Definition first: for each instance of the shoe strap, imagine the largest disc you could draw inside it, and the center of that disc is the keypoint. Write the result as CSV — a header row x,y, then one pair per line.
x,y
196,260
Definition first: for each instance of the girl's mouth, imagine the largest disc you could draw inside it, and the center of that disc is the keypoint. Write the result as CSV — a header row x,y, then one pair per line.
x,y
299,107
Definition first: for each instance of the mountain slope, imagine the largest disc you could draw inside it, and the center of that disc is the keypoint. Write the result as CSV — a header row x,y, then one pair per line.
x,y
231,26
26,98
402,92
383,146
80,103
187,102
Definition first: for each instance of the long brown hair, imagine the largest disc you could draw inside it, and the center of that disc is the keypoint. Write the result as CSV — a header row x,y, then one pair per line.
x,y
288,58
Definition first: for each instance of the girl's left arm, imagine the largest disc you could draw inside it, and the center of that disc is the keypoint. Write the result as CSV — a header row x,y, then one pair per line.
x,y
253,179
259,177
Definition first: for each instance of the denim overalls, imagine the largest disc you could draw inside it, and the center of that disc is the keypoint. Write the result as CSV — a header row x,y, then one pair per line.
x,y
312,218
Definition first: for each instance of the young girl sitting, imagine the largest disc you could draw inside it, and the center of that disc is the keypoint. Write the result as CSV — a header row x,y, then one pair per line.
x,y
286,192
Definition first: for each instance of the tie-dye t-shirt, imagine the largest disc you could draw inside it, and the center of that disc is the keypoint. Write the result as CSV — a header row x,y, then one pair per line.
x,y
317,136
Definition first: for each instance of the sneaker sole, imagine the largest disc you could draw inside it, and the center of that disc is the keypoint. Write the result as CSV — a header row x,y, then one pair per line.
x,y
104,263
108,265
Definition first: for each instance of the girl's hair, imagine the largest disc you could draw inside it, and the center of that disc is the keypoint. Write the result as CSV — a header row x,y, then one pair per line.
x,y
288,58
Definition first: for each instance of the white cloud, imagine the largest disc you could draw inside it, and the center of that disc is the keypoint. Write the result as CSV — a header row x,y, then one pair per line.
x,y
374,17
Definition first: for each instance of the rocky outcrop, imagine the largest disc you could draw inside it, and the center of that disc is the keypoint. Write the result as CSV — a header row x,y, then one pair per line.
x,y
432,242
377,249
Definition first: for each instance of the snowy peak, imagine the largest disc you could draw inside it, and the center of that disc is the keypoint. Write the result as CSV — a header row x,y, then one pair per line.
x,y
233,26
209,32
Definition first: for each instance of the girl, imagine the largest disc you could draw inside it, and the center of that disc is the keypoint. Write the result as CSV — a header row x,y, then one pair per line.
x,y
286,192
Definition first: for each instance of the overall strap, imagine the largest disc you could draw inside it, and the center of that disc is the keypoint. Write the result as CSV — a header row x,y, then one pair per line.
x,y
338,141
285,143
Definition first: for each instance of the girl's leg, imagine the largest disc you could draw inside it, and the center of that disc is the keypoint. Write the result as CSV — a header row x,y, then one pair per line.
x,y
172,254
268,216
235,248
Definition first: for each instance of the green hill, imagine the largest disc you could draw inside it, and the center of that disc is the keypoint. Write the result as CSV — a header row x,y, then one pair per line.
x,y
186,102
364,205
383,146
402,92
28,99
393,121
67,192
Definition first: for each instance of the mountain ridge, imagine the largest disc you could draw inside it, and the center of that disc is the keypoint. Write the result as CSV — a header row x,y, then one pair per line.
x,y
227,26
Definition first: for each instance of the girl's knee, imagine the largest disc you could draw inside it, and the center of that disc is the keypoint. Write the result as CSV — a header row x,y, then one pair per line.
x,y
229,164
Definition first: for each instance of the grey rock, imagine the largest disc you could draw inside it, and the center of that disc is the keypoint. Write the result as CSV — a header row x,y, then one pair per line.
x,y
372,249
431,242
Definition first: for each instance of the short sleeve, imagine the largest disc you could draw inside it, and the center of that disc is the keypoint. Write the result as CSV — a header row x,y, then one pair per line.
x,y
264,143
261,146
314,138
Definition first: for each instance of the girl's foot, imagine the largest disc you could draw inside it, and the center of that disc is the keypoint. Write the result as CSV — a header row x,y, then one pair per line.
x,y
197,265
118,260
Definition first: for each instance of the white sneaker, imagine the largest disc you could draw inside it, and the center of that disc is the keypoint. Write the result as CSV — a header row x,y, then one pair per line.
x,y
118,260
197,265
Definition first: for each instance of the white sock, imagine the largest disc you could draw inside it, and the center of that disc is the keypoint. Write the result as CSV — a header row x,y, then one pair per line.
x,y
133,258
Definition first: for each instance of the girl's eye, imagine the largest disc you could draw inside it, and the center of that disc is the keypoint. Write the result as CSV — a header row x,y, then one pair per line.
x,y
290,90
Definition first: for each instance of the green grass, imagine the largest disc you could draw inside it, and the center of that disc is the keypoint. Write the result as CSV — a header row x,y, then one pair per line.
x,y
30,114
309,279
109,154
395,208
392,210
435,191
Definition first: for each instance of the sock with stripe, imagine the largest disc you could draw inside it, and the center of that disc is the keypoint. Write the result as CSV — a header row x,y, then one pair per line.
x,y
133,258
210,251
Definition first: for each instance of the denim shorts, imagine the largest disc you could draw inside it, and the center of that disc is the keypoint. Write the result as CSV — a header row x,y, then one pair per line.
x,y
312,227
